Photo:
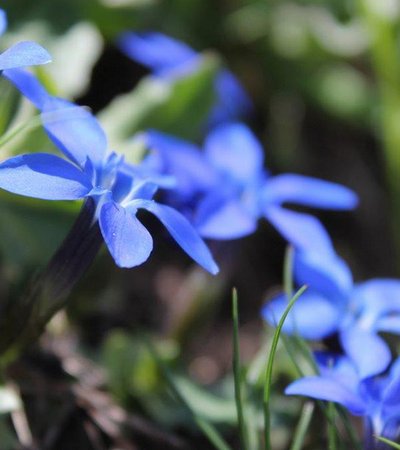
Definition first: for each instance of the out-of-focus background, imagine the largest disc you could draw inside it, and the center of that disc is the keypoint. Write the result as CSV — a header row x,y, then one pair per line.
x,y
324,76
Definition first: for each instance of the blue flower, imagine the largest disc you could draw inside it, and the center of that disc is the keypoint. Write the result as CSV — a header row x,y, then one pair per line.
x,y
22,54
225,190
334,304
171,59
340,380
118,188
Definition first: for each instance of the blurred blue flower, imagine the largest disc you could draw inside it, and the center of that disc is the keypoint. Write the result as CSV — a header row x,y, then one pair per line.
x,y
118,188
22,54
333,303
376,398
170,59
225,190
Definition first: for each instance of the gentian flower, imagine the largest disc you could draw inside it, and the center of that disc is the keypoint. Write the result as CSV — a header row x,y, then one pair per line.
x,y
118,188
334,304
225,190
170,59
22,54
376,398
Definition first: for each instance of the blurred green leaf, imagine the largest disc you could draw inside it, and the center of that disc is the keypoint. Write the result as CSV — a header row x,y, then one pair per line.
x,y
179,107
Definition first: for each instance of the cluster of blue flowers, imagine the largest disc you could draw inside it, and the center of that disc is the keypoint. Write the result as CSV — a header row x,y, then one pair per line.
x,y
334,305
217,191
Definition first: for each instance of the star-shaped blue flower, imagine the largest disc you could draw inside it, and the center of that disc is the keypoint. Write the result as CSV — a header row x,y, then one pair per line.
x,y
22,54
376,398
118,188
170,59
225,190
334,304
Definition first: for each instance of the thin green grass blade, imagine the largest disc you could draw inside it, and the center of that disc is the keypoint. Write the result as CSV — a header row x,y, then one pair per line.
x,y
268,375
332,433
206,427
236,372
303,425
388,442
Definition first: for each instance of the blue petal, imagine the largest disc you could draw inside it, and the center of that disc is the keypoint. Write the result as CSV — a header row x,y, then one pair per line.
x,y
310,192
327,274
24,54
45,176
232,103
303,231
226,220
329,389
162,54
338,367
391,393
183,233
388,324
28,85
312,316
184,161
234,149
75,131
368,351
128,241
378,296
3,21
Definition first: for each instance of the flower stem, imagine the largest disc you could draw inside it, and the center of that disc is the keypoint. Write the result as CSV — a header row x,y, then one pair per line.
x,y
22,321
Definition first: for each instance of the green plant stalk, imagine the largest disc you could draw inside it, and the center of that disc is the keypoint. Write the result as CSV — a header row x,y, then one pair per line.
x,y
388,442
303,425
206,427
386,64
236,372
23,319
331,427
268,372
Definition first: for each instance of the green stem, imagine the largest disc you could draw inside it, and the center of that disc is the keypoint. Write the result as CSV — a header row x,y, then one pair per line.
x,y
268,372
23,320
236,372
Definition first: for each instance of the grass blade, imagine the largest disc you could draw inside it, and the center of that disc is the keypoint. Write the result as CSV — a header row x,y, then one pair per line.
x,y
331,427
388,442
236,372
268,375
302,426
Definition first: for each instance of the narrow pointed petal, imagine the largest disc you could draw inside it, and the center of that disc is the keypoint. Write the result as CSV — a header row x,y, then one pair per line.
x,y
158,52
327,274
303,231
232,103
45,176
227,220
3,21
75,131
378,296
235,150
24,54
368,351
304,318
183,233
183,160
128,241
328,389
28,85
309,191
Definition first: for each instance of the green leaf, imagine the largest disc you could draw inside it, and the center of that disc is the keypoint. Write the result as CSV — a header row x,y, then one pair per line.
x,y
179,107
